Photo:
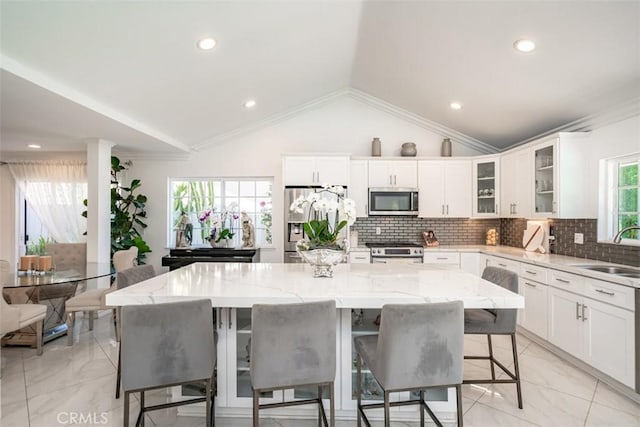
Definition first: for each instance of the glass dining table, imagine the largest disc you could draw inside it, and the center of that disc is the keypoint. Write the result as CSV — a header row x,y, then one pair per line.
x,y
53,289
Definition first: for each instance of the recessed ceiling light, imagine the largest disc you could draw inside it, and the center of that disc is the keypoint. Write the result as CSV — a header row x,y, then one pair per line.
x,y
207,43
455,106
524,46
33,146
250,103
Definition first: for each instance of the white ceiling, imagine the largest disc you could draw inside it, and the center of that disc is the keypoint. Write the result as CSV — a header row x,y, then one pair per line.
x,y
129,72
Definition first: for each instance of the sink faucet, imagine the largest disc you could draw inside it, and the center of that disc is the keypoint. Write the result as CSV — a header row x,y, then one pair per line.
x,y
618,237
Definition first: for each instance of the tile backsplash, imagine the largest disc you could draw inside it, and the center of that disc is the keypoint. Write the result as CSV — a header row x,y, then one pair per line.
x,y
465,231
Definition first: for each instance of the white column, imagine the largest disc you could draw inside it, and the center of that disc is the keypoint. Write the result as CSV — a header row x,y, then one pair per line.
x,y
99,200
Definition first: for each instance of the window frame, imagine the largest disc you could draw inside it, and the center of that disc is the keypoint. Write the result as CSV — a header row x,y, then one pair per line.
x,y
610,215
170,230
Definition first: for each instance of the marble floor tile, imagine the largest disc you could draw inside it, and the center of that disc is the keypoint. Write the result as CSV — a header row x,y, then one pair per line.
x,y
600,415
541,405
607,396
481,415
14,414
12,388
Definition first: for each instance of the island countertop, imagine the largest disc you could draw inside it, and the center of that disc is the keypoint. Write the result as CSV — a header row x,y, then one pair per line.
x,y
353,286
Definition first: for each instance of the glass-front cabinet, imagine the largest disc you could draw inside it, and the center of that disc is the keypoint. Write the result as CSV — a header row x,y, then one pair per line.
x,y
545,180
486,187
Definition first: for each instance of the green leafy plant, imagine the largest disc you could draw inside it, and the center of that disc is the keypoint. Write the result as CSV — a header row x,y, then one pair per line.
x,y
225,234
127,213
38,248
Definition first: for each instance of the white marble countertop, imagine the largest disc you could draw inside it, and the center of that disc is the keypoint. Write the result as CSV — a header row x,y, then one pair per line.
x,y
353,286
554,261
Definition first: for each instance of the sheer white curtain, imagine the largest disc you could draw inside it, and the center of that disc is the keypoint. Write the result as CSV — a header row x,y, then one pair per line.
x,y
55,191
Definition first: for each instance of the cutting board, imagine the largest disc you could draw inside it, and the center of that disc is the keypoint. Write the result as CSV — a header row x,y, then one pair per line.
x,y
533,238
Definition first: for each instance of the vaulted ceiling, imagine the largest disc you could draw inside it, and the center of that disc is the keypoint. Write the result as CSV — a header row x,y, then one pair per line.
x,y
130,72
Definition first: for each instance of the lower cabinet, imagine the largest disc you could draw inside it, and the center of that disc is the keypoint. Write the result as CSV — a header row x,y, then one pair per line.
x,y
534,317
600,334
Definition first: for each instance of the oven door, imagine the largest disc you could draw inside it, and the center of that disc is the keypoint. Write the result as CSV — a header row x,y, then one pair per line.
x,y
396,260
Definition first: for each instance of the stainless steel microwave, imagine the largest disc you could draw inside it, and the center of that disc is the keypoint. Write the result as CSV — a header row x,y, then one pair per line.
x,y
393,201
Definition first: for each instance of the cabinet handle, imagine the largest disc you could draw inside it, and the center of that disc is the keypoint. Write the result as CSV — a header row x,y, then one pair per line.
x,y
530,284
360,257
442,258
605,292
395,179
442,209
447,209
515,209
229,317
219,317
577,310
502,265
562,280
583,315
390,180
318,175
531,272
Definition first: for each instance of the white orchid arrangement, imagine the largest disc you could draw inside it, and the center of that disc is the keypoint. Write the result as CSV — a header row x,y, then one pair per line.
x,y
320,231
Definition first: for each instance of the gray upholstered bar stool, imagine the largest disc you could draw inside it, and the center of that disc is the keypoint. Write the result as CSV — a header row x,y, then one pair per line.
x,y
293,345
419,346
126,278
496,322
165,345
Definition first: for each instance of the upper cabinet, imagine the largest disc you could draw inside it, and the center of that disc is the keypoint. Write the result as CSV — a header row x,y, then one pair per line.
x,y
486,187
559,168
393,173
358,189
318,170
445,188
515,184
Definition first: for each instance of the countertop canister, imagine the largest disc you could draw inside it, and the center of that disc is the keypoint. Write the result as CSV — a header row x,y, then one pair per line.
x,y
376,150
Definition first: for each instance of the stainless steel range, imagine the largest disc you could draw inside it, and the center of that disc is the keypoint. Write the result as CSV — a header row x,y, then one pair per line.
x,y
396,253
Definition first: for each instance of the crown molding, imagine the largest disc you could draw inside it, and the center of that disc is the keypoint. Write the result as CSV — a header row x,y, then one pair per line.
x,y
152,156
420,121
271,120
29,74
591,122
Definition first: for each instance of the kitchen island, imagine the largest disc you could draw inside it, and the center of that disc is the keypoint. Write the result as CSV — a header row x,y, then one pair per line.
x,y
359,290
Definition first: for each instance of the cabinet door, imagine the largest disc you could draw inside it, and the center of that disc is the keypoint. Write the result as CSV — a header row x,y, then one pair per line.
x,y
405,174
508,189
486,187
358,189
565,321
470,262
332,170
535,316
545,182
609,340
380,174
457,189
299,170
431,185
515,184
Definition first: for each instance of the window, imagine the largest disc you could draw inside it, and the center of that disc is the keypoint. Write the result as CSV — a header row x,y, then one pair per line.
x,y
623,205
219,202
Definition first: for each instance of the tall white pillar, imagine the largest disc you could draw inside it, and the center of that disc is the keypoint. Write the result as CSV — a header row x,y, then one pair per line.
x,y
99,200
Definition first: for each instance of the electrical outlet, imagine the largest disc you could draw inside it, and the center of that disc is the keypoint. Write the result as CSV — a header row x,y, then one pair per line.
x,y
378,231
578,238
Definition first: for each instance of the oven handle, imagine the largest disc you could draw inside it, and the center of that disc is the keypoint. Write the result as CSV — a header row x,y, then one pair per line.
x,y
399,260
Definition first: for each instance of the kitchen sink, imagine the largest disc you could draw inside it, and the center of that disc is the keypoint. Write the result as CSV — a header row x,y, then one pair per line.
x,y
612,269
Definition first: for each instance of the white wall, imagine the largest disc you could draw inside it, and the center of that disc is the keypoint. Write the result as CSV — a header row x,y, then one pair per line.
x,y
8,229
344,125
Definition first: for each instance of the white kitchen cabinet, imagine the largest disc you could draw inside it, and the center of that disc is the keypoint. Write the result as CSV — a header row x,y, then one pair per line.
x,y
316,170
507,264
393,173
486,187
439,257
358,189
600,334
358,256
445,188
470,262
534,316
515,184
559,172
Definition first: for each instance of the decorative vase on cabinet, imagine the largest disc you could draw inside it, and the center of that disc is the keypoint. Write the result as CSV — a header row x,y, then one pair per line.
x,y
408,150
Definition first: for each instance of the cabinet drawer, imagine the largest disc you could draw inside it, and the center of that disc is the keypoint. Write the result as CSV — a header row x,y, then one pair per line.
x,y
359,257
533,272
503,263
442,258
610,293
567,281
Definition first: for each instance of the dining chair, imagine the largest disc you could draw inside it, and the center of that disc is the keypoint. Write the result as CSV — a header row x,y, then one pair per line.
x,y
293,345
126,278
167,345
93,300
17,316
496,322
419,346
67,256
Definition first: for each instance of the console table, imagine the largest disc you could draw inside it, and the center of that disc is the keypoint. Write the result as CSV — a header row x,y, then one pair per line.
x,y
180,257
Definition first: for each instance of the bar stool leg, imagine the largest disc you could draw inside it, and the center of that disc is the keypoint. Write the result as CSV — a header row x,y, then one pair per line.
x,y
493,370
387,414
208,401
256,408
516,368
319,406
332,407
459,404
141,417
359,387
39,328
71,321
421,408
126,409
